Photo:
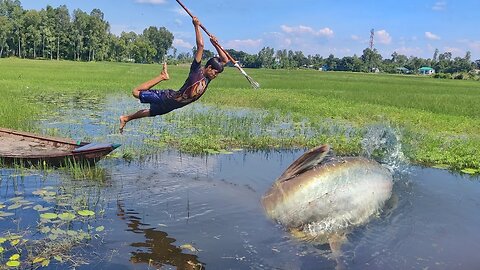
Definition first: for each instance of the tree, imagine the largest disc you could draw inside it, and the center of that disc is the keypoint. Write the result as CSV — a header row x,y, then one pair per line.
x,y
80,33
435,56
265,57
33,35
477,63
63,28
5,30
13,10
97,38
371,58
159,38
143,51
332,62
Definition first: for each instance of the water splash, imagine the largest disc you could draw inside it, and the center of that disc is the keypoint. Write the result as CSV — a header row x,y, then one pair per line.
x,y
383,143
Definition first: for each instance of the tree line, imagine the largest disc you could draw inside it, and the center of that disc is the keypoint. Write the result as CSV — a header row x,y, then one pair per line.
x,y
54,33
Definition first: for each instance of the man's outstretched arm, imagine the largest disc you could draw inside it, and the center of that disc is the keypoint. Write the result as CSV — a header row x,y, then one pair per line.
x,y
199,39
221,53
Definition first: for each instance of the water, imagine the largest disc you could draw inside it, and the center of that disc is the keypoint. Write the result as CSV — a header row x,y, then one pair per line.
x,y
210,206
176,211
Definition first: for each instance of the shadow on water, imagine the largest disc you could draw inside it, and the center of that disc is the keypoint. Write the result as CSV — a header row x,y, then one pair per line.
x,y
157,250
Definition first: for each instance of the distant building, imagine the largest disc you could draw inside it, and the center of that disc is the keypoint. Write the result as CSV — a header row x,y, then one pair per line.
x,y
426,71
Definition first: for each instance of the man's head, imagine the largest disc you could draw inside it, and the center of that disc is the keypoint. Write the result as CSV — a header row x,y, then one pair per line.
x,y
213,67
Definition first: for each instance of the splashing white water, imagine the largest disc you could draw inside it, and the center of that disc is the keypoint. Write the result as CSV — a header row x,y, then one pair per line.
x,y
383,143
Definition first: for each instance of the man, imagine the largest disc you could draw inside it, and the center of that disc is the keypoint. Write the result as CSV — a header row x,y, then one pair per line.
x,y
164,101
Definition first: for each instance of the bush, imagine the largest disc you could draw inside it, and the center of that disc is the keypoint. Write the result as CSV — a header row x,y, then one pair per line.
x,y
442,76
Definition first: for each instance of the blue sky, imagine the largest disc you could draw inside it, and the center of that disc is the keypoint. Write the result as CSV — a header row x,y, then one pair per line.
x,y
342,27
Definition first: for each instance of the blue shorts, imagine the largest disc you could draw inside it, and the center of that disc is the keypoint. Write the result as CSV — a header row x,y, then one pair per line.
x,y
159,102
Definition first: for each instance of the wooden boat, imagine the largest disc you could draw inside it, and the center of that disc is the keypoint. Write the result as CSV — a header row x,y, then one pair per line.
x,y
33,149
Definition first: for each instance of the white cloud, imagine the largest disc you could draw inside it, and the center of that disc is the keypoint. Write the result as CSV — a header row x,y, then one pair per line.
x,y
153,2
244,44
409,51
440,5
475,45
431,36
383,37
355,37
181,12
177,42
454,50
301,29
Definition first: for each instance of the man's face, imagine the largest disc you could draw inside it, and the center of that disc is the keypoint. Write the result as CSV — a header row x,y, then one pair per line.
x,y
211,73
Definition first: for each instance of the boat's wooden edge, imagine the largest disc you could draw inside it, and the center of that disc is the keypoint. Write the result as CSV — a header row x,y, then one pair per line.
x,y
41,137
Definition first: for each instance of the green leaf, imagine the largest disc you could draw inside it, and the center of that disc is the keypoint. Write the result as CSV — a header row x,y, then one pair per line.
x,y
38,259
58,258
14,257
13,263
86,213
14,206
40,208
15,242
49,216
66,216
45,263
100,228
469,171
1,250
6,214
45,230
2,240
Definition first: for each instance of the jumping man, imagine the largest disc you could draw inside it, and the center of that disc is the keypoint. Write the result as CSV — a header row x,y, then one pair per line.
x,y
164,101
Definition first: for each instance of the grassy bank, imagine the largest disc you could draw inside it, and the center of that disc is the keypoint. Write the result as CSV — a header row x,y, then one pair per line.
x,y
438,120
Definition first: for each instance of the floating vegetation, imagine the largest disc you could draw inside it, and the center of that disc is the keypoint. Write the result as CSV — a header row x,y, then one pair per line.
x,y
55,221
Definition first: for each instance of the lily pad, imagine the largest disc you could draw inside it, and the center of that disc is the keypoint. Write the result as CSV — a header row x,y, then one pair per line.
x,y
14,243
86,213
66,216
13,263
38,259
40,208
14,206
100,228
49,216
6,214
15,257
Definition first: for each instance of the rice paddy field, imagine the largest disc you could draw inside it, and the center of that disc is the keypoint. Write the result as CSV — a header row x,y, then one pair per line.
x,y
436,122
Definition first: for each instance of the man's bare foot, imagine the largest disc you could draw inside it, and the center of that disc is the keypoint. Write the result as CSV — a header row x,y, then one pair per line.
x,y
123,122
164,73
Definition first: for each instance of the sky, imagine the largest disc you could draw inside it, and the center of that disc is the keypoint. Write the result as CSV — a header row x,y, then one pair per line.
x,y
341,28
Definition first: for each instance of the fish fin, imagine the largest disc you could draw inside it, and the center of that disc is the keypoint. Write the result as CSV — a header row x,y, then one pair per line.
x,y
304,163
336,241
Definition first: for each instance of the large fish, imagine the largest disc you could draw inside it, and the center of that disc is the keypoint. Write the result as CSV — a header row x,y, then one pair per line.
x,y
320,197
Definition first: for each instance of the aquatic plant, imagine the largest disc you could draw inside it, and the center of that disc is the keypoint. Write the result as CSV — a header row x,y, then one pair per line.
x,y
63,220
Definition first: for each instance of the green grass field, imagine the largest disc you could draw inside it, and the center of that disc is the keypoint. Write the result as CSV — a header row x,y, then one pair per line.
x,y
439,120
